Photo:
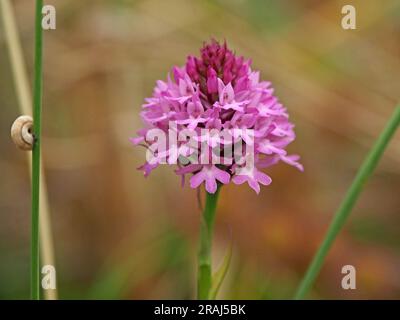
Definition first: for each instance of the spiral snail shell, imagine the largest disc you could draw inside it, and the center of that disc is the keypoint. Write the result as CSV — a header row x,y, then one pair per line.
x,y
21,132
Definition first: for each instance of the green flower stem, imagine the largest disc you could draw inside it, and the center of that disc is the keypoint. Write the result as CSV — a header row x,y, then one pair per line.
x,y
37,110
204,257
346,206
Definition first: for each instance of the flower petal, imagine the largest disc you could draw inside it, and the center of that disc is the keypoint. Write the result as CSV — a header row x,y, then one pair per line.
x,y
221,175
254,185
263,178
239,179
211,184
197,179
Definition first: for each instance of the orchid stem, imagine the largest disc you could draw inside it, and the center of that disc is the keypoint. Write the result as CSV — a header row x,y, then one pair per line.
x,y
37,110
206,236
348,203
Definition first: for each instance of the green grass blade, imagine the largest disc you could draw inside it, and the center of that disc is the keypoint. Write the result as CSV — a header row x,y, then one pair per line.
x,y
37,110
348,203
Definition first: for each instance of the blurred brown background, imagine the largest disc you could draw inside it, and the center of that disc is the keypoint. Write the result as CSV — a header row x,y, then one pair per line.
x,y
118,235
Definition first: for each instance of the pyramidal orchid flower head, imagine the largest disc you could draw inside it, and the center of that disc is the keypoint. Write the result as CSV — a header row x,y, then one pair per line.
x,y
216,121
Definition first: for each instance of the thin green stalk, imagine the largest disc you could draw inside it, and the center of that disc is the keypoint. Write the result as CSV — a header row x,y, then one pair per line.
x,y
21,83
206,236
37,110
346,206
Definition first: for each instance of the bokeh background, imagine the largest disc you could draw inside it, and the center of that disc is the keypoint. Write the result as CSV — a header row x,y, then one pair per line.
x,y
118,235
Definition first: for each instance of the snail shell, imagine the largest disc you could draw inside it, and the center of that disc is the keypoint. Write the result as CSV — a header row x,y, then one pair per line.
x,y
21,132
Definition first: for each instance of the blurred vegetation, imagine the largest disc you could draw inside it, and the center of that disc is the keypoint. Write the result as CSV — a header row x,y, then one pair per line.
x,y
118,235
